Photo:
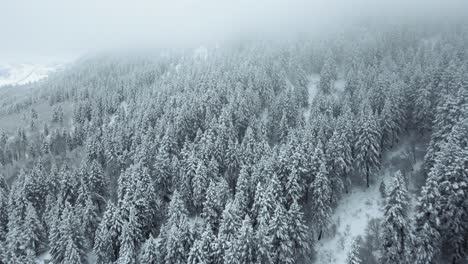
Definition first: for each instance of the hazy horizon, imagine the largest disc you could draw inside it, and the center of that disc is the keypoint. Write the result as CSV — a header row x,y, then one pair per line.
x,y
52,30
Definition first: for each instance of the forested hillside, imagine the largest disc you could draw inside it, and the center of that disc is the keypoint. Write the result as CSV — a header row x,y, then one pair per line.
x,y
239,153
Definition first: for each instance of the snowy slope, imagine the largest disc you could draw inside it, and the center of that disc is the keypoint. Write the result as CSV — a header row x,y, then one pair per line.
x,y
18,74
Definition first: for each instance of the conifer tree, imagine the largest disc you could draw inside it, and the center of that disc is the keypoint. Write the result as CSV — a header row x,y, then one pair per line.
x,y
216,198
242,249
34,230
106,242
298,232
327,74
367,144
202,250
396,229
127,252
200,183
321,196
353,256
149,251
4,191
68,243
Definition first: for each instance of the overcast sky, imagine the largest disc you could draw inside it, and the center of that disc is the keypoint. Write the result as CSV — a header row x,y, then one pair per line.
x,y
62,29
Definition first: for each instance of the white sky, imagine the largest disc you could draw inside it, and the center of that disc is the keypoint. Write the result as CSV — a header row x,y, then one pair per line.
x,y
39,29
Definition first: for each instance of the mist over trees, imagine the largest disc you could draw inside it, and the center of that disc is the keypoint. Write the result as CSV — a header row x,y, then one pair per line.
x,y
227,155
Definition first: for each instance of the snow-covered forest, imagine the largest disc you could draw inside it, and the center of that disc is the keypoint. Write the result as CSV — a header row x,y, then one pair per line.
x,y
346,147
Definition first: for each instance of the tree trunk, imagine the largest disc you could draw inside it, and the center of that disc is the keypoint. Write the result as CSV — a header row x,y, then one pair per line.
x,y
367,175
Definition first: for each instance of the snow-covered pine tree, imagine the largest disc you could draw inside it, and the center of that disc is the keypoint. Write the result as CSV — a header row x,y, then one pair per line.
x,y
34,230
231,222
106,241
127,252
98,185
176,236
242,248
448,112
396,226
299,232
68,242
149,252
353,255
200,184
367,146
216,198
423,108
328,74
320,199
4,192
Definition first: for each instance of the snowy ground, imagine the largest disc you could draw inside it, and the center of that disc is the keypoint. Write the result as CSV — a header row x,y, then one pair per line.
x,y
351,218
19,74
361,205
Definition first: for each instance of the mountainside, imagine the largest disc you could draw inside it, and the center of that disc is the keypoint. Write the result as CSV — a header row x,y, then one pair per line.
x,y
348,147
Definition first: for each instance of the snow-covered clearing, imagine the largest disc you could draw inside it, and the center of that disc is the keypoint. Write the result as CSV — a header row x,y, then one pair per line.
x,y
351,218
357,208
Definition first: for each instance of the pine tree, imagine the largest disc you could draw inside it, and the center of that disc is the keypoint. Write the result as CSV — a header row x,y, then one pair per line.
x,y
89,220
353,256
243,194
447,114
321,196
388,125
202,250
200,183
327,74
106,241
242,249
293,186
265,205
149,252
98,184
127,253
19,243
216,198
176,238
230,223
34,230
162,168
453,189
423,108
281,243
427,236
68,244
298,231
396,229
4,191
367,144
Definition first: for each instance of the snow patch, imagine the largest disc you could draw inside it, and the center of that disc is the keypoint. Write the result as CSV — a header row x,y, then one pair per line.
x,y
340,85
312,88
43,258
